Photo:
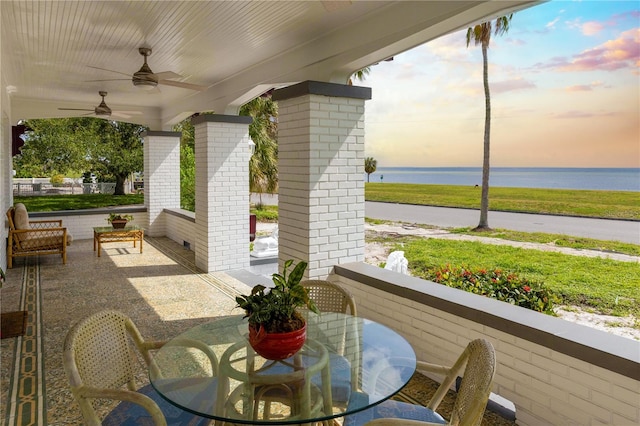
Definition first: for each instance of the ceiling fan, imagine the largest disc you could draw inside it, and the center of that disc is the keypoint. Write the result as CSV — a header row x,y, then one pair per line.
x,y
146,79
103,110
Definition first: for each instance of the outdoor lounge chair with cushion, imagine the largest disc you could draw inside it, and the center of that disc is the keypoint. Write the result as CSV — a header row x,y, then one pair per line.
x,y
100,364
34,237
478,362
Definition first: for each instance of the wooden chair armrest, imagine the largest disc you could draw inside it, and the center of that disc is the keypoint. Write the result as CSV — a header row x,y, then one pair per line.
x,y
36,230
44,222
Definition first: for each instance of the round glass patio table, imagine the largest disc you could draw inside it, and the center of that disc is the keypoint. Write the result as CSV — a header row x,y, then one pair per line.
x,y
348,364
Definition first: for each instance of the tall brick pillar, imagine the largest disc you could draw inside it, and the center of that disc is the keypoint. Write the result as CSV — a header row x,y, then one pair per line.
x,y
321,174
161,177
222,191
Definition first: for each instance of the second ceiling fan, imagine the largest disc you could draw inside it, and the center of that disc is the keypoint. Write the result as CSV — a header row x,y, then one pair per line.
x,y
146,79
103,110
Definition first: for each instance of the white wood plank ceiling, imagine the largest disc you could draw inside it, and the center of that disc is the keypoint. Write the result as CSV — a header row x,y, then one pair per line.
x,y
53,51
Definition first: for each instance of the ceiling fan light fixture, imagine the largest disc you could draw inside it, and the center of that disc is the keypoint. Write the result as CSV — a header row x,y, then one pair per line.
x,y
103,110
144,84
144,78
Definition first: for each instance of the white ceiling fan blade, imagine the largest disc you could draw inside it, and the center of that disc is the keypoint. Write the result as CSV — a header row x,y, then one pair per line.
x,y
166,75
125,114
109,79
75,109
119,114
104,69
182,85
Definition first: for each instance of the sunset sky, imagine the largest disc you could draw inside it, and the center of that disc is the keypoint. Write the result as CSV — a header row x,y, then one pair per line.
x,y
565,92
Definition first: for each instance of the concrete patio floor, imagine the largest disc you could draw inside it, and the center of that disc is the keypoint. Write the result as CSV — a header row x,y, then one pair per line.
x,y
159,289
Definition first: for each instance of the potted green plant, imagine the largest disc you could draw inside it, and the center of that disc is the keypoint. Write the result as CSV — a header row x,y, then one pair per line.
x,y
277,330
119,220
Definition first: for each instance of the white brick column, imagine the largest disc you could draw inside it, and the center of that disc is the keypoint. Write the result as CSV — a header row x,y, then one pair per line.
x,y
321,174
222,192
161,177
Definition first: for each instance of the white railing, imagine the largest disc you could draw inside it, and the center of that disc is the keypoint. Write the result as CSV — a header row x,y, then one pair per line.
x,y
27,189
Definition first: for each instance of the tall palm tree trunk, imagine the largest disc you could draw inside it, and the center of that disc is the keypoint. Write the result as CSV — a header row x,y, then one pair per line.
x,y
484,200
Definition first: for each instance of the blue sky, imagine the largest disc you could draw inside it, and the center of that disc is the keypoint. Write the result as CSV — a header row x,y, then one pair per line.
x,y
565,92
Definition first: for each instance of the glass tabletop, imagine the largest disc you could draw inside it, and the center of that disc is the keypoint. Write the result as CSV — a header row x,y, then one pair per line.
x,y
346,365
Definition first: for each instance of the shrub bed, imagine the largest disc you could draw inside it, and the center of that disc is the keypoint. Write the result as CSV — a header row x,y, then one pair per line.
x,y
507,287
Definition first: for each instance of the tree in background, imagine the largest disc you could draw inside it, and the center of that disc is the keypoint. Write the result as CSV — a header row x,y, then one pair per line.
x,y
370,165
263,166
481,35
187,164
54,146
117,151
70,146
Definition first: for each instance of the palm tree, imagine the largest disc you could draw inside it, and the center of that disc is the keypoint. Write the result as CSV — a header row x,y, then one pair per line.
x,y
359,75
370,165
481,35
263,166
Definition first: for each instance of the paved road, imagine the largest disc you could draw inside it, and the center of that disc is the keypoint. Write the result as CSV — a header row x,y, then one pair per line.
x,y
601,229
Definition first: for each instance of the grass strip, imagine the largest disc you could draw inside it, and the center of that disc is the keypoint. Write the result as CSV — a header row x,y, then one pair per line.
x,y
588,203
50,203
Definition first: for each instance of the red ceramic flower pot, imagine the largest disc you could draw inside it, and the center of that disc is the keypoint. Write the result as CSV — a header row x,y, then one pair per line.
x,y
277,346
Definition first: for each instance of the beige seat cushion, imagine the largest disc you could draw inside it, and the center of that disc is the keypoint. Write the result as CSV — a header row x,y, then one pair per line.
x,y
20,216
35,242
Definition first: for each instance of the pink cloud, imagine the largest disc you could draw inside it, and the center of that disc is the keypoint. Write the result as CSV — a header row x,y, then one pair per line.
x,y
582,114
623,52
511,85
591,28
584,87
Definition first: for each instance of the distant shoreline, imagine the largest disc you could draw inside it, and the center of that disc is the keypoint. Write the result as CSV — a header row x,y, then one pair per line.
x,y
572,178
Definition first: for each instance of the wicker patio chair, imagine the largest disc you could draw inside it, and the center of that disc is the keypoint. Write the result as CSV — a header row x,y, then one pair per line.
x,y
100,364
478,362
330,297
34,237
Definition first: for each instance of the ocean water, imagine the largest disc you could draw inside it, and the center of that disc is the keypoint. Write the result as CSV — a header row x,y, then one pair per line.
x,y
608,179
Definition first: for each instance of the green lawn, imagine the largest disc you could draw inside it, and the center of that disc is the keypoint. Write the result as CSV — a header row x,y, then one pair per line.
x,y
603,204
51,203
603,285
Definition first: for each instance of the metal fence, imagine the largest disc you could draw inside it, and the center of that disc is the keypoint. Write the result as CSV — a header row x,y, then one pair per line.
x,y
26,189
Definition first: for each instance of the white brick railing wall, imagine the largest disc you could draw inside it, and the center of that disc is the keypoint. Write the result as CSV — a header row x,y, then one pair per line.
x,y
555,372
80,223
181,227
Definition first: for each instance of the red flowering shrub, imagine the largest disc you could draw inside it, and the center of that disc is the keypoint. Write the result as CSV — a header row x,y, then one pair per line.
x,y
507,287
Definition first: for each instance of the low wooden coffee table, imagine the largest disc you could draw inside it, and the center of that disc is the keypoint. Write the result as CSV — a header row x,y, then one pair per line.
x,y
109,234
